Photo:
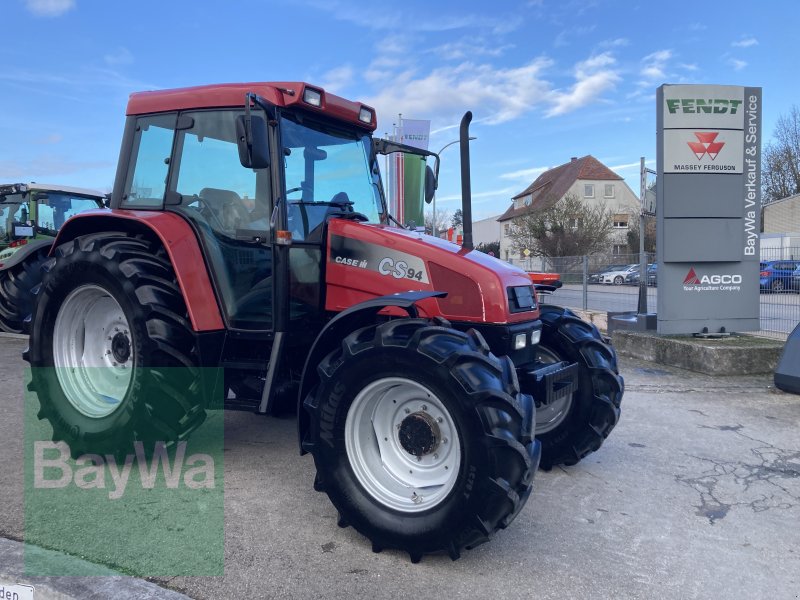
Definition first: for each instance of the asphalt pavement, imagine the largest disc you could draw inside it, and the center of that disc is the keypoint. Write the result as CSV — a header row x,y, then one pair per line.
x,y
696,494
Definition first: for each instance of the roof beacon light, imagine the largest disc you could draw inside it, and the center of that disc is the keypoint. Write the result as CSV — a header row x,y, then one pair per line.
x,y
365,115
312,97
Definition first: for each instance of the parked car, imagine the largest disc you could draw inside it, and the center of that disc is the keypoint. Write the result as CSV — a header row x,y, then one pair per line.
x,y
618,277
777,275
553,279
652,272
796,279
595,277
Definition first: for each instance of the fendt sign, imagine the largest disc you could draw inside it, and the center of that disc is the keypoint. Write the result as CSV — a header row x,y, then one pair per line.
x,y
709,179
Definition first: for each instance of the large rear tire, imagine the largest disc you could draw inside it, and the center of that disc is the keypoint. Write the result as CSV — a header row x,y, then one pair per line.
x,y
16,285
577,425
421,438
111,348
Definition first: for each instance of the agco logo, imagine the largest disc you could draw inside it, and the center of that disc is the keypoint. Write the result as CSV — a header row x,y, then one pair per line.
x,y
696,106
705,144
693,279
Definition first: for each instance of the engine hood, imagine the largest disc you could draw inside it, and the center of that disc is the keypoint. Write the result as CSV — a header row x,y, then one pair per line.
x,y
365,261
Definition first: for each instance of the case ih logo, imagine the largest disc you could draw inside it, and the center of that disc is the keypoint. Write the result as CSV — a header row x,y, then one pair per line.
x,y
705,144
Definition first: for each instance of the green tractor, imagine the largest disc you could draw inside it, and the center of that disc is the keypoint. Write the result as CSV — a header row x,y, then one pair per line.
x,y
30,217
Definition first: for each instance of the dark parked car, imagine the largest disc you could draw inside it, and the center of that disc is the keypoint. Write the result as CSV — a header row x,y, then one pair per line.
x,y
777,275
796,279
652,276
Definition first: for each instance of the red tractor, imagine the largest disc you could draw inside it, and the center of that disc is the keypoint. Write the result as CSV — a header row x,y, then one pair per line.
x,y
249,230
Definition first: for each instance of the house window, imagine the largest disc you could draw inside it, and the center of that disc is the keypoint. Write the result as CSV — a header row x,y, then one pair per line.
x,y
609,191
618,249
588,190
620,221
526,200
575,222
506,229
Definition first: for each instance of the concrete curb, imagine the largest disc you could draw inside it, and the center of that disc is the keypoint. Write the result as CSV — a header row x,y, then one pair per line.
x,y
740,355
113,585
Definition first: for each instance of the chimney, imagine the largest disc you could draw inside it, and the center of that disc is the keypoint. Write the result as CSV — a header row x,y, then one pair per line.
x,y
574,158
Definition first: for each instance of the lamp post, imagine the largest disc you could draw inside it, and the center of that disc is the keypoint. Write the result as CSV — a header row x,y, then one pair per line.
x,y
434,228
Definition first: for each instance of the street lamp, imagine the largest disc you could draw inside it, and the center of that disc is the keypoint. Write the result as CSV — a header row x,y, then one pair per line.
x,y
447,145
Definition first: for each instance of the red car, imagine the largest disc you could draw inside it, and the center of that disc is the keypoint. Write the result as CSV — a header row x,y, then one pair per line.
x,y
553,279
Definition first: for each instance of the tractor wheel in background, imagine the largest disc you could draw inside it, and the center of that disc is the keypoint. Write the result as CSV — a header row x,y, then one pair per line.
x,y
421,438
577,425
16,285
111,347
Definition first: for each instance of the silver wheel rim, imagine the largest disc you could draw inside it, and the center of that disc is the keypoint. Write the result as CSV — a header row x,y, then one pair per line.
x,y
93,351
550,416
376,439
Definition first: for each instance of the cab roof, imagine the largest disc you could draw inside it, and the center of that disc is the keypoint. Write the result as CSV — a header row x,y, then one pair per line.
x,y
225,95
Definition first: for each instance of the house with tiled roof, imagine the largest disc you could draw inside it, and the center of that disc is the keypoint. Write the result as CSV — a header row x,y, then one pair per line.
x,y
588,179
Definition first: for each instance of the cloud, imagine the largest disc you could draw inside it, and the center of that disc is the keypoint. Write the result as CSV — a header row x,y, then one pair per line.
x,y
501,192
737,64
120,56
565,36
654,68
615,43
745,42
464,49
336,80
593,77
524,174
495,95
49,8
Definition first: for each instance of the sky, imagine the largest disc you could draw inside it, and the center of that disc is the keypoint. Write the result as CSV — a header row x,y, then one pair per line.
x,y
545,80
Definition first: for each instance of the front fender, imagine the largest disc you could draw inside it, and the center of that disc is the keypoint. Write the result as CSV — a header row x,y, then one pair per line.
x,y
355,317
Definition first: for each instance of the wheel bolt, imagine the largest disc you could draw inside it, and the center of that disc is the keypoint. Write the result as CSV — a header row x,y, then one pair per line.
x,y
424,407
408,411
439,420
435,456
444,440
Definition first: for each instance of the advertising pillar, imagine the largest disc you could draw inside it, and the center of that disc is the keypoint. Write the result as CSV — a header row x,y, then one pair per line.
x,y
709,199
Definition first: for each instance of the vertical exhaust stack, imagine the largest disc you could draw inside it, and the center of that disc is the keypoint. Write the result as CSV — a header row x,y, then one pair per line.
x,y
466,186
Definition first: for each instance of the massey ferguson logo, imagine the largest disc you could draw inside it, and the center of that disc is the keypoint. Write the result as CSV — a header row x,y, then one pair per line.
x,y
705,144
711,283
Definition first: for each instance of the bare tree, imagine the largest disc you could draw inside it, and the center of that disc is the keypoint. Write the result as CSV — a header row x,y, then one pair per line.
x,y
569,227
780,173
649,234
443,219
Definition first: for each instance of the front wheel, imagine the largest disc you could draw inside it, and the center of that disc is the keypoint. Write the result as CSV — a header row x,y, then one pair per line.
x,y
16,297
111,349
618,280
421,438
577,424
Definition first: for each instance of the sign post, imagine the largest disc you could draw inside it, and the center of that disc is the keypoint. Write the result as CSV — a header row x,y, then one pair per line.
x,y
708,198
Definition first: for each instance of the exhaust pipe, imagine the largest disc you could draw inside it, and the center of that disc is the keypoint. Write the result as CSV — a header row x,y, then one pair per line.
x,y
466,186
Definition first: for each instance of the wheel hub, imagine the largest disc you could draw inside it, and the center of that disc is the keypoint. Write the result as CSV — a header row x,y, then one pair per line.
x,y
121,347
419,434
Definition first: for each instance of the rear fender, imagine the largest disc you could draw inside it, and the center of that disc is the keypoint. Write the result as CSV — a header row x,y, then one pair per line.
x,y
24,252
355,317
180,242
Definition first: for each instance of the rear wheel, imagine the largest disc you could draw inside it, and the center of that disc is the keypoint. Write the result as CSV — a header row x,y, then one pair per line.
x,y
421,438
16,298
577,424
111,348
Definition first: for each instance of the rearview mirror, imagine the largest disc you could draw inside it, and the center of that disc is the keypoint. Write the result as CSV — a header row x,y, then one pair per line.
x,y
430,184
253,145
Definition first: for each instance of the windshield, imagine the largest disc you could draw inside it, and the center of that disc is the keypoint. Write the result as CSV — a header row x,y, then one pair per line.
x,y
57,208
12,210
324,165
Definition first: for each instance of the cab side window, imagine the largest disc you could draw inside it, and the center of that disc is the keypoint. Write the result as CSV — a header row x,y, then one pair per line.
x,y
147,174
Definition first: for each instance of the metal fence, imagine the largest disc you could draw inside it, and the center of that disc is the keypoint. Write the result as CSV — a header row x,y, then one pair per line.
x,y
779,283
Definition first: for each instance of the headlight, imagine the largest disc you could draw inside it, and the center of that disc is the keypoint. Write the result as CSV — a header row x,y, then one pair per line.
x,y
536,336
312,97
520,341
365,115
